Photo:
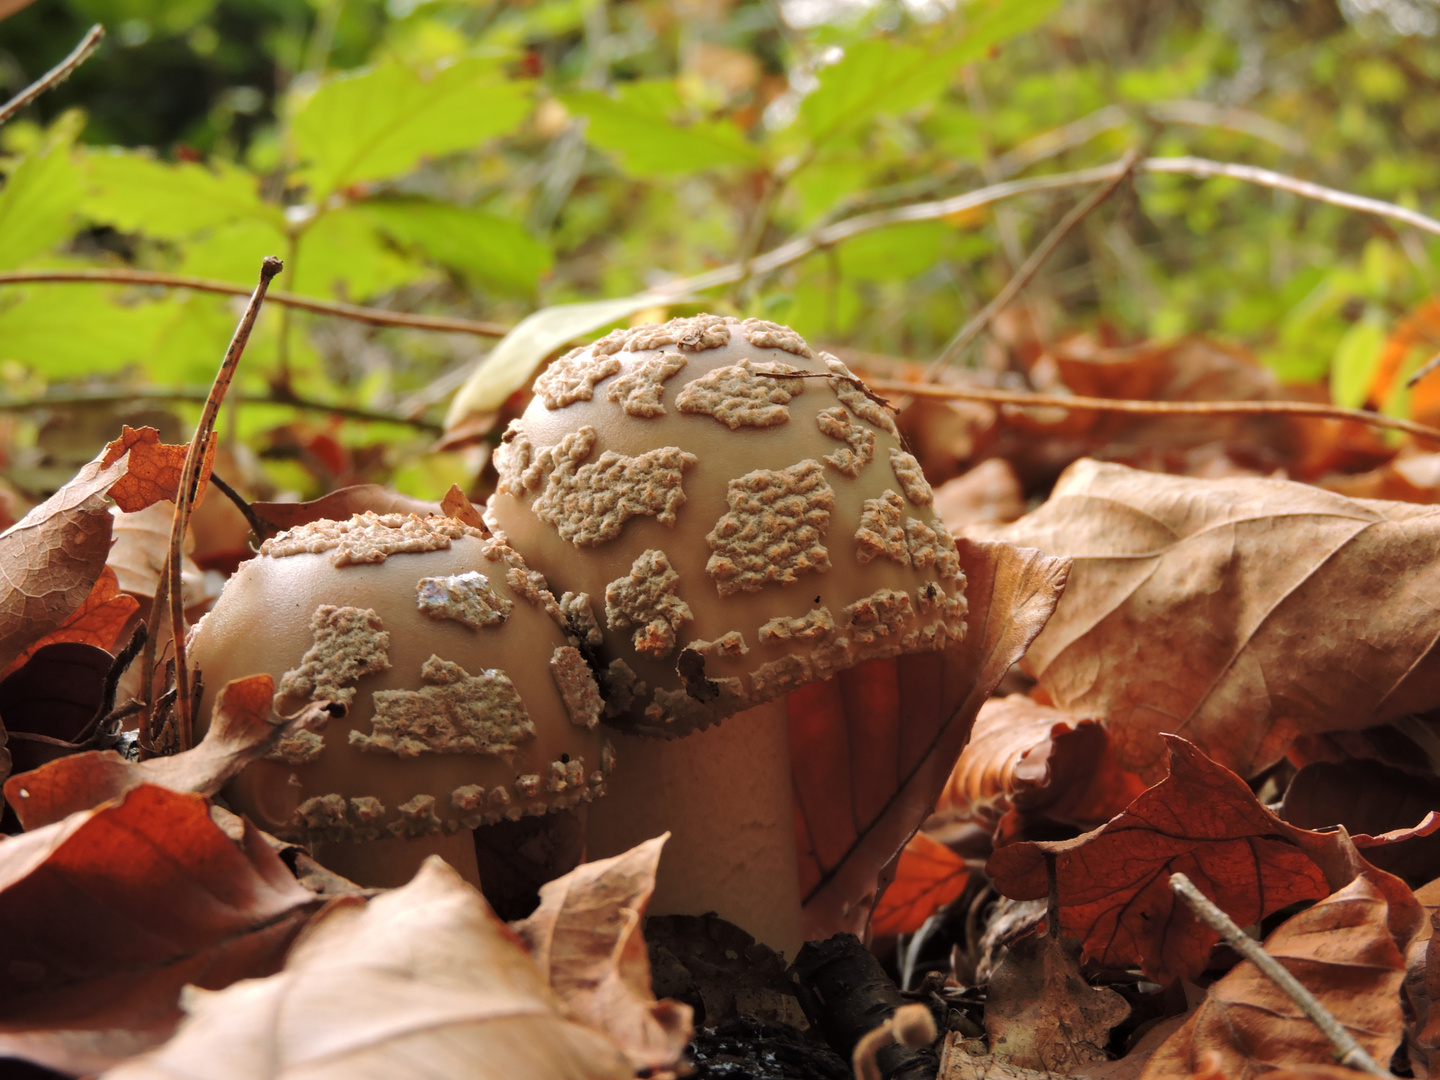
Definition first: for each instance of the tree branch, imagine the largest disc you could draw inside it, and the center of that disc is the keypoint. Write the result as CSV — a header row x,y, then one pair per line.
x,y
56,75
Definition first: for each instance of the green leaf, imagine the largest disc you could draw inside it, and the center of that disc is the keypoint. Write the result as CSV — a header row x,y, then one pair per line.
x,y
67,331
491,250
878,76
645,127
41,195
509,365
1354,365
902,251
168,16
382,122
136,193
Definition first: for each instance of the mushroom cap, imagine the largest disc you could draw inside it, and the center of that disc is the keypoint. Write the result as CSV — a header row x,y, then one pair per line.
x,y
723,533
466,702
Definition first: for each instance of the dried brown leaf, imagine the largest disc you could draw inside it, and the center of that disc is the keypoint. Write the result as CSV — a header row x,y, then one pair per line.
x,y
122,906
1239,613
153,473
864,781
1041,1014
420,974
456,504
1342,951
242,729
341,504
98,620
51,703
928,875
585,936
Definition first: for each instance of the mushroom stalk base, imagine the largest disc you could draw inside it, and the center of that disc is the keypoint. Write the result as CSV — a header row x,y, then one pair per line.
x,y
388,864
725,796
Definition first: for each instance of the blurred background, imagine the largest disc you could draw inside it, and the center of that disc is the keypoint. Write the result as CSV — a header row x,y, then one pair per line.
x,y
481,161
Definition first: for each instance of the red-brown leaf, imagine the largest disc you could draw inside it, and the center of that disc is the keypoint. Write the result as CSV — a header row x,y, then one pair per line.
x,y
928,875
97,621
153,473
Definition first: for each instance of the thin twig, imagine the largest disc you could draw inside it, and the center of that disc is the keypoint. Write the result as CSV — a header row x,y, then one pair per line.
x,y
354,312
1425,369
189,483
1155,408
56,75
968,333
67,395
1347,1051
258,525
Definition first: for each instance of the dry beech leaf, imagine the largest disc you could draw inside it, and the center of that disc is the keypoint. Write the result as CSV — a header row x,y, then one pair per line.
x,y
1041,1014
1040,761
421,980
1239,613
1342,951
863,780
928,875
585,936
154,470
340,505
243,728
52,703
141,554
98,620
51,558
122,906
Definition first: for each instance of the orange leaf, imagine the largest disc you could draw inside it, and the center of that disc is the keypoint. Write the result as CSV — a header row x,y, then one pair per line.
x,y
123,906
97,621
456,504
154,469
1342,951
1418,330
863,780
1114,888
928,875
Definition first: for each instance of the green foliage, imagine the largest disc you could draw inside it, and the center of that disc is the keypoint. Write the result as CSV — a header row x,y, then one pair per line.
x,y
40,196
645,126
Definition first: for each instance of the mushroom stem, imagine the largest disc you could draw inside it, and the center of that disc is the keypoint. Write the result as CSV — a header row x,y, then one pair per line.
x,y
388,864
725,796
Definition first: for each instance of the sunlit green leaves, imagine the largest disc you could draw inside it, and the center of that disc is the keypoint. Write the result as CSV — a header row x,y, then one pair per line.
x,y
490,250
66,331
40,196
382,122
136,193
644,125
902,251
1354,365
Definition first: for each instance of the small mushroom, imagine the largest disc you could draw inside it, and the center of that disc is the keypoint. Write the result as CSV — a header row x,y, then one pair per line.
x,y
466,703
732,517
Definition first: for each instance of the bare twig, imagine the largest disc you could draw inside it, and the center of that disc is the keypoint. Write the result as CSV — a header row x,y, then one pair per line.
x,y
189,484
354,312
1424,369
961,341
56,75
1155,408
1347,1051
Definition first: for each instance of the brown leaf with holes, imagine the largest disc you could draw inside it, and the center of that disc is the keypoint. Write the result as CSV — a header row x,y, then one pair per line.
x,y
155,469
243,728
420,979
1041,1014
1343,952
98,620
585,936
1040,761
1238,613
928,875
871,748
122,906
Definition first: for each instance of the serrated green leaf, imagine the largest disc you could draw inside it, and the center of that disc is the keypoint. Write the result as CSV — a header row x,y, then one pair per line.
x,y
643,126
484,247
381,122
1354,365
41,195
509,365
136,193
64,331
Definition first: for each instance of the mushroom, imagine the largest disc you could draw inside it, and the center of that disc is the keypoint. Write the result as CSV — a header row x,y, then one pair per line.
x,y
466,703
732,517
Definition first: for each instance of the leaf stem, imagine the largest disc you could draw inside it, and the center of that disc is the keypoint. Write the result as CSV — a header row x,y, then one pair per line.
x,y
1156,408
56,75
1347,1051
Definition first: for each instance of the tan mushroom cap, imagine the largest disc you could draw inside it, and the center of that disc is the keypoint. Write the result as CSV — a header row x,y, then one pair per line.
x,y
723,533
467,704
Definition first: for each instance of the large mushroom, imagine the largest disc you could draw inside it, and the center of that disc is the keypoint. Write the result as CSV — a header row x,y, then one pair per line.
x,y
732,518
466,703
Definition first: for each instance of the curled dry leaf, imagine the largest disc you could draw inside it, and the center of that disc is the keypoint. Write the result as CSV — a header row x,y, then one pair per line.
x,y
423,973
122,906
340,505
928,875
141,554
456,504
154,469
242,729
1343,952
98,620
51,704
585,936
1041,1014
861,790
1037,760
1239,613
